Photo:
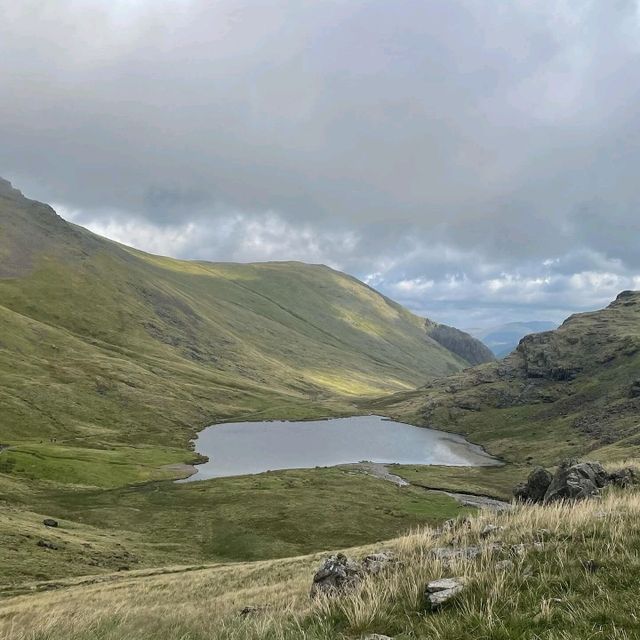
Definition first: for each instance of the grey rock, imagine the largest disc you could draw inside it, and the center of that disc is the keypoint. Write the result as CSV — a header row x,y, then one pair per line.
x,y
536,486
453,553
455,524
50,522
623,477
47,544
439,592
336,575
375,563
444,584
573,480
504,565
377,636
447,526
576,480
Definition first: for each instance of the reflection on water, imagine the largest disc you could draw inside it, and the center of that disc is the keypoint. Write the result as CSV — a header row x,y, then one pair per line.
x,y
240,448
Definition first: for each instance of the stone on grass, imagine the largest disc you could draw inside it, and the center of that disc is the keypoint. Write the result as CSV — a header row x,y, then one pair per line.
x,y
50,522
336,575
444,584
375,563
447,554
253,609
47,544
438,592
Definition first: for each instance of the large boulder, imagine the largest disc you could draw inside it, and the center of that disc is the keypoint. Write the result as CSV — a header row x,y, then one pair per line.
x,y
536,486
575,480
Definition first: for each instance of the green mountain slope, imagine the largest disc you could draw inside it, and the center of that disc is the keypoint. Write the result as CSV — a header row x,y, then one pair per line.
x,y
103,344
564,392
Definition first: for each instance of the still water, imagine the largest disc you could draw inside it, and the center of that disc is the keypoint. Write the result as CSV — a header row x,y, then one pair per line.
x,y
238,448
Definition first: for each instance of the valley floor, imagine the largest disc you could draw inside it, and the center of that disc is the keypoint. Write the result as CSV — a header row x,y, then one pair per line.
x,y
269,515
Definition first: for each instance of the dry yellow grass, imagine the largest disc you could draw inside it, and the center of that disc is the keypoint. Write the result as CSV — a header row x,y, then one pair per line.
x,y
546,594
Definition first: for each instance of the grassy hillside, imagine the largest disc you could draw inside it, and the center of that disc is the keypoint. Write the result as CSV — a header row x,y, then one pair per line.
x,y
572,577
104,347
111,359
564,392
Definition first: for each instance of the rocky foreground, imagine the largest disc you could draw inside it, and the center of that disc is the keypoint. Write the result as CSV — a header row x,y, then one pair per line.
x,y
558,570
572,483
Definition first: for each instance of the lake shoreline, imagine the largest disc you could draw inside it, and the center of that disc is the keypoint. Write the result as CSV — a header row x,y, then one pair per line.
x,y
254,447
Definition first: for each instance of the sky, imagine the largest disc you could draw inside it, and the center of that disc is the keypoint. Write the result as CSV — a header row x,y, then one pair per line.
x,y
476,160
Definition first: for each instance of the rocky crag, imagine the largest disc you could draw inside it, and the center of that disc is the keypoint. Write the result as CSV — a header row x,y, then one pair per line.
x,y
561,393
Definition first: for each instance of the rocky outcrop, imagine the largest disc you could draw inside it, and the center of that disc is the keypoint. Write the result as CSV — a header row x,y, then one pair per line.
x,y
339,574
573,480
554,377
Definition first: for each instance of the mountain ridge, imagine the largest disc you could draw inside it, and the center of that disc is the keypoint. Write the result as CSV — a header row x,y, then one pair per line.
x,y
129,333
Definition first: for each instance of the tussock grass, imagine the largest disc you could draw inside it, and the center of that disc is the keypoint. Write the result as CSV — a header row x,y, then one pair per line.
x,y
551,592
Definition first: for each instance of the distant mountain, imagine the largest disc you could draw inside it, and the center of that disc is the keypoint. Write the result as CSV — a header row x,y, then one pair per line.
x,y
101,342
561,393
503,339
461,343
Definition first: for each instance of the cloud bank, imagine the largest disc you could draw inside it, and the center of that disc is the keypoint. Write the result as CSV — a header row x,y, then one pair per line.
x,y
476,161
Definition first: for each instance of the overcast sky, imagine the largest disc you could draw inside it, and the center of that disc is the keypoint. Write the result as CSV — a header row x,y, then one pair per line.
x,y
477,160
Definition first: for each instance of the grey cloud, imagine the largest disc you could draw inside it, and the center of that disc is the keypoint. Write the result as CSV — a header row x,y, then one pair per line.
x,y
446,141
